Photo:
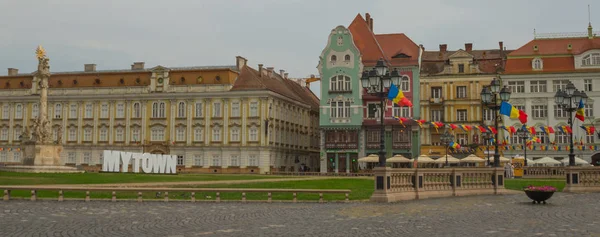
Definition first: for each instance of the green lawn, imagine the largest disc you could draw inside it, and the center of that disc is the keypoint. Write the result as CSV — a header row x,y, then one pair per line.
x,y
13,178
519,184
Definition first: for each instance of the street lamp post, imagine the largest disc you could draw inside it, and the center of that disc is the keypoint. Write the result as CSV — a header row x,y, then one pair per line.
x,y
489,97
486,136
524,135
375,81
568,100
447,138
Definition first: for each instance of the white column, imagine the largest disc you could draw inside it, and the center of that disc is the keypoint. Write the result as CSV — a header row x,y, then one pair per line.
x,y
189,116
173,105
80,114
245,112
144,118
128,111
111,121
225,133
11,122
96,114
207,115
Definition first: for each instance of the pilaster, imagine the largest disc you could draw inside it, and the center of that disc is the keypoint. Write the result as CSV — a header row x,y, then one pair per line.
x,y
128,112
189,115
111,121
225,134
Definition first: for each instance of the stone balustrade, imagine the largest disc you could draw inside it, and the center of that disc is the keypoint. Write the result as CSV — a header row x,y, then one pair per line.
x,y
320,174
544,172
409,183
582,179
165,192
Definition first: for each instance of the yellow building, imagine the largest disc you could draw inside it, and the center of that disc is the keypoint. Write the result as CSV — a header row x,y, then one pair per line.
x,y
213,118
451,82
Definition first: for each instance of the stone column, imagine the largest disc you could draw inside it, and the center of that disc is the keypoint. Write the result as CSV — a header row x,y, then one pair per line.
x,y
111,121
189,117
96,114
128,111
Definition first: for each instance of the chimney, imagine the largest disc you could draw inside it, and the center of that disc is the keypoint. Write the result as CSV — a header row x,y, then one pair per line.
x,y
501,44
285,75
468,47
443,48
281,72
422,47
371,24
137,66
89,67
240,62
368,18
260,70
270,71
13,71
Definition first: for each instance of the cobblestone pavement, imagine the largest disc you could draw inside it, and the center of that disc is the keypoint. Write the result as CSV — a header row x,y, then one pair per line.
x,y
510,215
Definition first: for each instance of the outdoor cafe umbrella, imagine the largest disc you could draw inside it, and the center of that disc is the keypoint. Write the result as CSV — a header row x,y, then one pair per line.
x,y
398,159
451,159
423,159
548,161
369,158
578,161
472,159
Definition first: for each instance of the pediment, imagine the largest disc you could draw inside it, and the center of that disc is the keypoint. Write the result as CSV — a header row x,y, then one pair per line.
x,y
460,54
159,68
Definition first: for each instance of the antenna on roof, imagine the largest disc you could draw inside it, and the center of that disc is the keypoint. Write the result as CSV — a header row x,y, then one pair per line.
x,y
534,36
589,15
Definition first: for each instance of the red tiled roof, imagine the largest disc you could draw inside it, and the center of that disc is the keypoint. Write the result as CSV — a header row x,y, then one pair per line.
x,y
365,41
487,59
523,65
557,46
396,44
250,79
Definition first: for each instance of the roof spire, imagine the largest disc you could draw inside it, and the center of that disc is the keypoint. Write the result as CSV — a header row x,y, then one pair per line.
x,y
590,29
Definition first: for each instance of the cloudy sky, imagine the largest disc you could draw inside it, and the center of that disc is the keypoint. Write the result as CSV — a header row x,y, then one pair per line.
x,y
285,34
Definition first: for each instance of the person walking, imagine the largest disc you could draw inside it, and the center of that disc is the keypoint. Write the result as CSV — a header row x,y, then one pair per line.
x,y
512,171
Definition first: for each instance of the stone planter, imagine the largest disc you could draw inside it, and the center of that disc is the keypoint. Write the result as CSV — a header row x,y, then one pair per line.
x,y
539,196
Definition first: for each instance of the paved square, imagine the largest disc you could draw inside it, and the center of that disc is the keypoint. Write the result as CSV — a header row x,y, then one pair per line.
x,y
511,215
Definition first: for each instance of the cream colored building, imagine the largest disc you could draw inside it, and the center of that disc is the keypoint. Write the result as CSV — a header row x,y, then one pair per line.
x,y
213,118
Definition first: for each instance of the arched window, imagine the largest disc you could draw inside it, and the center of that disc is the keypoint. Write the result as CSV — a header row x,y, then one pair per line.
x,y
181,110
161,110
35,110
57,111
405,83
333,84
347,57
537,64
19,111
155,110
136,110
333,58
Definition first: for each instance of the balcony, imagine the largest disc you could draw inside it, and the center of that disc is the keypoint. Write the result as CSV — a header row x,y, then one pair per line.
x,y
401,145
436,101
341,145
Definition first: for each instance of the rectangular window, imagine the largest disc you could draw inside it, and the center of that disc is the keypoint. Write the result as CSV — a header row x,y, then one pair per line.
x,y
462,139
135,134
235,160
120,111
397,110
436,115
216,134
198,134
18,134
198,161
520,107
72,158
198,110
73,111
19,111
461,92
560,85
588,85
57,111
516,86
103,134
119,134
253,134
180,160
488,115
542,136
253,109
373,136
461,115
72,134
538,86
35,110
5,112
561,137
87,135
17,156
436,92
589,138
405,112
559,112
589,110
253,160
514,139
87,158
373,111
461,68
180,134
104,111
157,134
3,156
539,111
216,161
235,109
89,110
235,135
217,109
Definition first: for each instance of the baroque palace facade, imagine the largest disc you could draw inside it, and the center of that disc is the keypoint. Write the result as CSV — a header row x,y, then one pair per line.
x,y
218,119
451,83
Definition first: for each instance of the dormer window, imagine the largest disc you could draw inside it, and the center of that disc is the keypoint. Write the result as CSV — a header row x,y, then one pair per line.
x,y
592,59
537,64
347,58
333,58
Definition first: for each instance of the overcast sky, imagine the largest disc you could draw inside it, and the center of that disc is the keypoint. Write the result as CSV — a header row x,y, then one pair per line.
x,y
285,34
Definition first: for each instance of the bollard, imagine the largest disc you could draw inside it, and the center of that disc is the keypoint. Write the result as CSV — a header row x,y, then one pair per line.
x,y
269,200
218,198
244,197
60,196
114,196
295,198
33,195
347,199
320,197
6,195
166,196
193,196
87,196
139,197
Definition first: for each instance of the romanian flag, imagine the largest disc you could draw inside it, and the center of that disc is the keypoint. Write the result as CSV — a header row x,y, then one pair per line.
x,y
589,129
481,128
492,129
547,129
580,114
436,125
454,145
396,95
401,120
465,128
531,129
512,112
505,128
420,122
453,126
566,129
512,130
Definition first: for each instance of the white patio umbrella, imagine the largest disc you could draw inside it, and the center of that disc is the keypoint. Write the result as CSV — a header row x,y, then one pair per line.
x,y
369,158
472,159
548,161
423,159
578,161
398,159
451,159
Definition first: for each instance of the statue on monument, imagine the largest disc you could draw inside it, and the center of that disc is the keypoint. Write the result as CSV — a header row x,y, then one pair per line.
x,y
42,127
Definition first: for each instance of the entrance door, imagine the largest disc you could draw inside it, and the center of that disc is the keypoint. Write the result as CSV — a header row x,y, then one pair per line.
x,y
342,163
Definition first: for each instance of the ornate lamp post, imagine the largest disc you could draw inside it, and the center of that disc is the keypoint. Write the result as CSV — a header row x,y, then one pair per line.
x,y
489,97
487,136
446,139
568,100
375,81
524,135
